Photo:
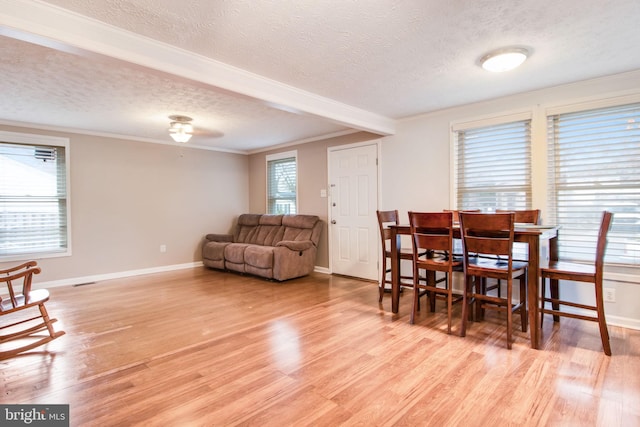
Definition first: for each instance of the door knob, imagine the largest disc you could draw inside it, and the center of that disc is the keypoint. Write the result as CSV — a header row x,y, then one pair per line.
x,y
333,221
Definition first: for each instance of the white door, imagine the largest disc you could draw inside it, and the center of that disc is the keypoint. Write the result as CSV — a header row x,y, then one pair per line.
x,y
353,184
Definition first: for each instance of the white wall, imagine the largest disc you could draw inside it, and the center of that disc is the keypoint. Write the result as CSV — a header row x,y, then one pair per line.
x,y
129,197
416,164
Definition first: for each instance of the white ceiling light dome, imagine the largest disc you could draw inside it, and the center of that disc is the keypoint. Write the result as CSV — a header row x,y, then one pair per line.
x,y
504,59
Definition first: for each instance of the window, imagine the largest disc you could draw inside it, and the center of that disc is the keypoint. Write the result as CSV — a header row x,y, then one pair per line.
x,y
493,165
33,196
282,183
594,165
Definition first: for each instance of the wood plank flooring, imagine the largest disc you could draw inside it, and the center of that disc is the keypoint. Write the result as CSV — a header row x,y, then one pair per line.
x,y
200,347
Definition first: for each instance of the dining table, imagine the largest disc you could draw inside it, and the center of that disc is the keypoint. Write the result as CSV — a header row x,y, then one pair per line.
x,y
538,238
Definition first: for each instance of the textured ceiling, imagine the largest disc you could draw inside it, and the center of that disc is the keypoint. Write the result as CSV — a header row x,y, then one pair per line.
x,y
390,58
53,88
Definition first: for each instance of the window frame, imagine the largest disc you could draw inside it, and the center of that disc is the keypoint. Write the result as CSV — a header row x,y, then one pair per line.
x,y
489,121
555,188
275,157
53,141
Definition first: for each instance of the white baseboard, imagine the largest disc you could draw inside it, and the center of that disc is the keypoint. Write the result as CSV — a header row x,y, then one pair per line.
x,y
121,274
612,320
624,322
324,270
117,275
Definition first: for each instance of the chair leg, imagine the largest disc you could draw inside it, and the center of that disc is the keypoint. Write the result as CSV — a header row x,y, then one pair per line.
x,y
473,306
542,297
384,277
523,302
509,312
47,321
431,279
414,306
449,307
465,306
604,332
479,313
555,294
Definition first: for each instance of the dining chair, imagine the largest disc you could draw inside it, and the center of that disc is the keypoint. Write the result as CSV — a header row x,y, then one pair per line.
x,y
582,273
17,327
521,216
491,237
386,218
432,243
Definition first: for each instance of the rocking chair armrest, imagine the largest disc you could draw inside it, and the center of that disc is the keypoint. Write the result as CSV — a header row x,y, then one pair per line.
x,y
19,267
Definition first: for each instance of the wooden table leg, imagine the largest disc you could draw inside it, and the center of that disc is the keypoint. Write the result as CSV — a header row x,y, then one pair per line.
x,y
553,256
533,279
533,283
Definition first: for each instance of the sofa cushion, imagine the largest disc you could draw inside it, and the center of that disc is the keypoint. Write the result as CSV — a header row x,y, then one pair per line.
x,y
268,219
259,256
214,250
300,221
234,252
246,228
262,272
269,231
300,227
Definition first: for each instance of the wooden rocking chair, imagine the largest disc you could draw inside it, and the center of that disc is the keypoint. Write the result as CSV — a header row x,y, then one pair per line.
x,y
17,301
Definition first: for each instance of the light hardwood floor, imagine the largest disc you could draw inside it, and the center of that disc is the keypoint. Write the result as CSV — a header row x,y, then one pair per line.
x,y
201,347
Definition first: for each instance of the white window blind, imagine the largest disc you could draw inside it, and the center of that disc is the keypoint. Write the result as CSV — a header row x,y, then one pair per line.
x,y
33,200
594,165
282,183
493,166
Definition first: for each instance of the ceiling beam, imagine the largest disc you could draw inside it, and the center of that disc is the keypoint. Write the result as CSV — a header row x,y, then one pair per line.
x,y
60,29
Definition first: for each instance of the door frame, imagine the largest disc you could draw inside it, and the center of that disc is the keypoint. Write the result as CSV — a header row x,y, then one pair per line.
x,y
378,144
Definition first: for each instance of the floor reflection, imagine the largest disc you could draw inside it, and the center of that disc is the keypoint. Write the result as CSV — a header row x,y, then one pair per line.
x,y
285,345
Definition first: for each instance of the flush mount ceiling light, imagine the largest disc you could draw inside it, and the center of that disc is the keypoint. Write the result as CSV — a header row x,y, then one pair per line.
x,y
504,59
181,128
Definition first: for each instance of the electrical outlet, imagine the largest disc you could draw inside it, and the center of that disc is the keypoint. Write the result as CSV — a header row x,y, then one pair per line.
x,y
609,295
163,248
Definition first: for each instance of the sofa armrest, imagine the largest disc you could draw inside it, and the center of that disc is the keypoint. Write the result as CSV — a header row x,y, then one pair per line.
x,y
301,245
220,237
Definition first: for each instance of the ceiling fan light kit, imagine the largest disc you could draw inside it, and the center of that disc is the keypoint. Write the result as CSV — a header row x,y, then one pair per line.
x,y
181,128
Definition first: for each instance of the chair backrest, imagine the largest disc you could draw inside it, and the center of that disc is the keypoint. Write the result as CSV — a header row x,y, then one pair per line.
x,y
431,231
605,225
386,218
13,278
488,234
524,216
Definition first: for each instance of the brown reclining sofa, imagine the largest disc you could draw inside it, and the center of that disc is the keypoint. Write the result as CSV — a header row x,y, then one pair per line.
x,y
278,247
